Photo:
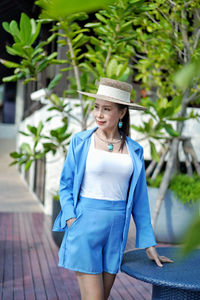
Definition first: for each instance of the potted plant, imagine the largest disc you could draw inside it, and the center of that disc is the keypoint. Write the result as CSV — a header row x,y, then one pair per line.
x,y
180,206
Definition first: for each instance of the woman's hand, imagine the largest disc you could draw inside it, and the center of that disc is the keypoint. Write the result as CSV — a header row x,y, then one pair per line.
x,y
153,255
70,221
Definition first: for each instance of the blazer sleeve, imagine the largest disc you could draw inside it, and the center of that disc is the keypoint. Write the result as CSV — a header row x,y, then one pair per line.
x,y
66,186
141,212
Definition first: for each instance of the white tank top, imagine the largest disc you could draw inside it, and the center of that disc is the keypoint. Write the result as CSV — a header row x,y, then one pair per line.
x,y
107,174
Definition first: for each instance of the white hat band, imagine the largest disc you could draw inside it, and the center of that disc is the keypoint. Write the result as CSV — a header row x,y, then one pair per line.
x,y
110,91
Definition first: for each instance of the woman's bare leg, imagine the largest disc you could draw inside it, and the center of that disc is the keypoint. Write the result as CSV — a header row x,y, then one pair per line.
x,y
108,280
91,286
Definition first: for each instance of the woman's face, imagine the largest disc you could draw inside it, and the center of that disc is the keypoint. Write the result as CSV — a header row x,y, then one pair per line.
x,y
107,114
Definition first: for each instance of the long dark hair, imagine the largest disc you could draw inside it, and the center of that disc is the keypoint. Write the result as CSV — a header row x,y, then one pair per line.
x,y
125,130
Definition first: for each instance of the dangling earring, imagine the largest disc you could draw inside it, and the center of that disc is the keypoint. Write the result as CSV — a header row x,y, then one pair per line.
x,y
120,124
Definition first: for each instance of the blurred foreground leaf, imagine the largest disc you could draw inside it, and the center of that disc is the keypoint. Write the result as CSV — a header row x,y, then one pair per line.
x,y
184,77
192,236
61,8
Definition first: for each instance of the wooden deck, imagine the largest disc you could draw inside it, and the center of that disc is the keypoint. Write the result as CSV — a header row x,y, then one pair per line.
x,y
28,264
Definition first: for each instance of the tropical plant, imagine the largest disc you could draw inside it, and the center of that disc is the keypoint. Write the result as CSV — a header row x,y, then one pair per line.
x,y
34,59
101,48
167,38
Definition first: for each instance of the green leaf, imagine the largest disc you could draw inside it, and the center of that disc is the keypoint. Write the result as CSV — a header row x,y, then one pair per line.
x,y
16,154
26,148
40,127
77,38
121,68
55,99
100,70
35,31
101,18
59,61
50,147
13,163
54,133
24,133
126,25
42,66
9,64
170,130
89,68
6,27
51,38
15,31
126,74
111,68
12,78
66,69
32,129
28,164
93,25
154,153
59,131
39,155
13,51
25,29
138,128
29,80
52,55
95,41
54,82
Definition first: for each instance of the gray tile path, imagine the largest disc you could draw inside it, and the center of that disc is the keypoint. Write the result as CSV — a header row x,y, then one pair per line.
x,y
14,193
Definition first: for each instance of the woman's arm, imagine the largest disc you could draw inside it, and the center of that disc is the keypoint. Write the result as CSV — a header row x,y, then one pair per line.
x,y
141,213
66,185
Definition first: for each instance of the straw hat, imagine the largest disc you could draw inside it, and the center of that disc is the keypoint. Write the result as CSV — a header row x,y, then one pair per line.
x,y
115,91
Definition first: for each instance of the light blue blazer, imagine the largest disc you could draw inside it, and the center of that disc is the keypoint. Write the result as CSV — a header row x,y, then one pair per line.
x,y
137,198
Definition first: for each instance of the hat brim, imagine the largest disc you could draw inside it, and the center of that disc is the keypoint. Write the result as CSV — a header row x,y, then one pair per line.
x,y
114,100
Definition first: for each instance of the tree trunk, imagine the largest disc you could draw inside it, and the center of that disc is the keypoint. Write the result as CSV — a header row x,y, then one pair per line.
x,y
187,159
150,168
172,160
166,179
187,145
160,164
77,77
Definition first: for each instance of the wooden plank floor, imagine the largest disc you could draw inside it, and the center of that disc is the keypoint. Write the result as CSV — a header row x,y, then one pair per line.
x,y
28,264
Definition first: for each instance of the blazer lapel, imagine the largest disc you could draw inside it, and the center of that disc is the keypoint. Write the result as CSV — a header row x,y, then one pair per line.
x,y
81,157
137,166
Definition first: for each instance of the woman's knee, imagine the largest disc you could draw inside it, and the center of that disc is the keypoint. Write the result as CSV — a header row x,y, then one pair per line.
x,y
91,286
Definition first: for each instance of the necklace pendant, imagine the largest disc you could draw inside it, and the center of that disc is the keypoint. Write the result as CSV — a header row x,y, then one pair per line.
x,y
110,147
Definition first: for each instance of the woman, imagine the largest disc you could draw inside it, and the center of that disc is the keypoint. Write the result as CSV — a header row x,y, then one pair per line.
x,y
102,184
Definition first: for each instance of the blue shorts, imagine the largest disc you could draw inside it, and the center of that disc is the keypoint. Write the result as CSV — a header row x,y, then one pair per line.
x,y
92,243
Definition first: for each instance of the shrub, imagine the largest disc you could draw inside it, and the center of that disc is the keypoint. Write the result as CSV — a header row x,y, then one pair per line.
x,y
185,188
